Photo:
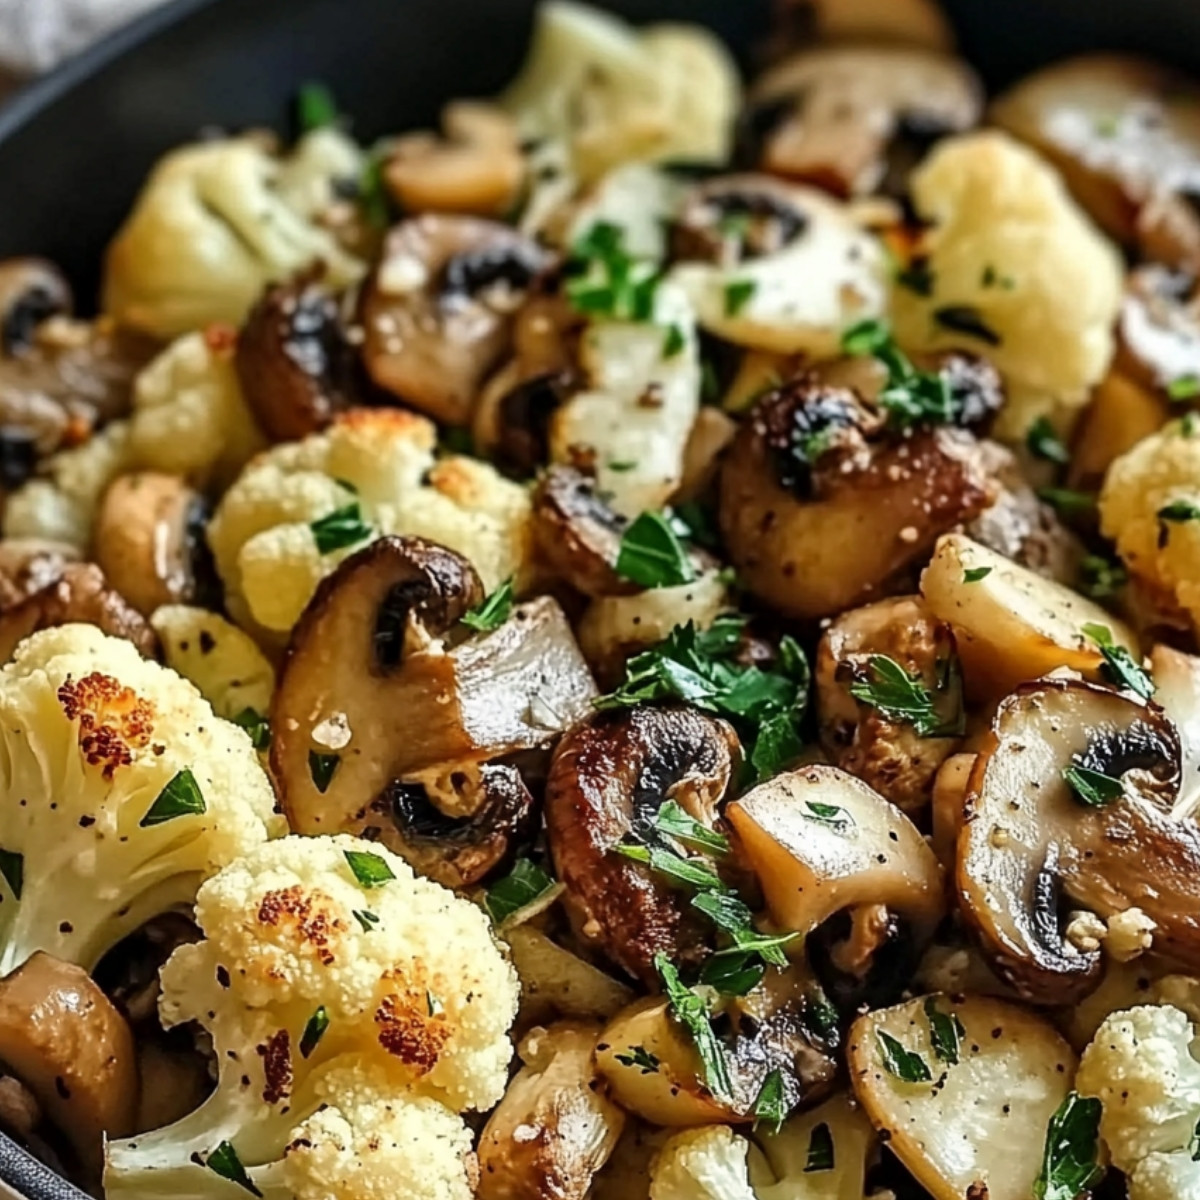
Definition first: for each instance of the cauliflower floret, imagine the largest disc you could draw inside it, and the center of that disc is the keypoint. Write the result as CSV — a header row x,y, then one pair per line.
x,y
61,505
1010,253
209,231
331,975
1141,1068
1160,470
189,416
261,533
121,793
702,1164
224,663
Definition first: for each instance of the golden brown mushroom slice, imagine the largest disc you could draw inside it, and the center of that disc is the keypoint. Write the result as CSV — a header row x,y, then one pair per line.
x,y
608,780
31,291
385,720
437,313
1125,133
555,1127
856,119
906,22
66,1042
1069,806
822,507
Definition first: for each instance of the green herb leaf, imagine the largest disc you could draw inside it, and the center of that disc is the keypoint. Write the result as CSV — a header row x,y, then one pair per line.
x,y
1068,503
992,278
322,768
457,440
1044,442
372,190
967,320
606,281
975,574
917,277
667,863
314,1031
1093,788
1179,511
651,554
1102,577
945,1032
694,523
673,822
771,1106
911,397
692,1013
1186,387
736,975
639,1056
738,294
12,867
820,1016
768,946
1189,425
778,744
1070,1165
368,920
904,1064
521,886
316,107
725,910
833,815
257,726
369,869
673,342
820,1150
493,612
180,798
224,1161
621,467
1119,665
897,694
342,528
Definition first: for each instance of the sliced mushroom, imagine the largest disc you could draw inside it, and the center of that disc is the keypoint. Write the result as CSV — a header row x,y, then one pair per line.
x,y
1177,689
555,1127
1125,134
607,782
73,1050
822,842
29,564
1033,847
477,168
382,728
81,594
437,313
294,361
970,1120
778,267
653,1070
1011,625
907,22
822,508
949,804
887,754
856,119
712,431
149,539
31,291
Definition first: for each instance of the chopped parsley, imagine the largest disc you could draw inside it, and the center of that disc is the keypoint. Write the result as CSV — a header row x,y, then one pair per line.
x,y
1102,577
493,612
257,726
1092,788
770,1108
524,884
833,815
180,798
992,278
314,1031
917,277
738,294
1186,387
224,1161
911,397
902,697
674,341
1119,666
1068,503
339,529
372,189
1070,1162
945,1032
904,1064
1043,442
370,870
316,108
606,281
691,1012
967,320
820,1150
12,867
367,920
640,1057
975,574
675,823
1179,511
322,768
675,867
652,555
622,466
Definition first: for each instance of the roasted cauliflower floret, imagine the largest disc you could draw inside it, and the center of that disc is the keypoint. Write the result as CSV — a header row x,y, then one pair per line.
x,y
1141,1068
189,417
377,469
121,793
340,991
211,228
1018,273
702,1164
1145,504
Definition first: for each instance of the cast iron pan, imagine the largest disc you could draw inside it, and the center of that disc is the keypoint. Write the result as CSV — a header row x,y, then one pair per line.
x,y
75,148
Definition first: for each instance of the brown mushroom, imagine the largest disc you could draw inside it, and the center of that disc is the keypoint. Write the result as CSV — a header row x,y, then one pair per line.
x,y
437,313
294,361
1040,838
887,753
1125,135
476,169
73,1050
31,291
855,119
149,539
823,507
607,782
81,594
29,564
906,22
737,218
385,723
555,1127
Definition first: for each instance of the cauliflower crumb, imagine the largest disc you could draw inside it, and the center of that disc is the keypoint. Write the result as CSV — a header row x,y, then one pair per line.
x,y
702,1164
1085,931
1129,935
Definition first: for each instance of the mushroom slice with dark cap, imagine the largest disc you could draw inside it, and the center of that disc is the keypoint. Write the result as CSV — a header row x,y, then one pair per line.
x,y
823,507
31,291
437,313
294,361
382,722
854,119
1069,806
608,781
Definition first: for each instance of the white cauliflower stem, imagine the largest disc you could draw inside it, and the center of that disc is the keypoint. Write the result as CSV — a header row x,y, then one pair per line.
x,y
121,793
354,1009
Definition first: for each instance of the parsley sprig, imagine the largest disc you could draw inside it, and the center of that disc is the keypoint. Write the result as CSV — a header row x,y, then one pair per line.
x,y
652,555
911,397
493,612
1070,1161
606,280
902,697
691,1011
1120,667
